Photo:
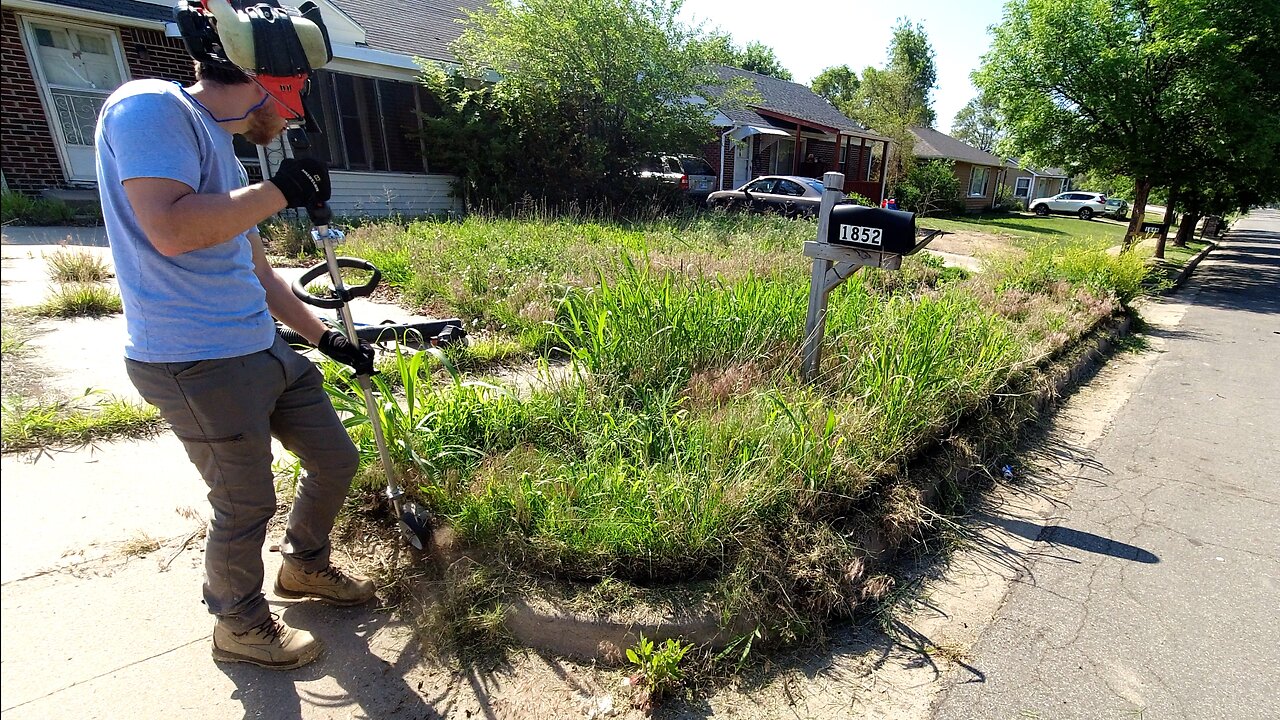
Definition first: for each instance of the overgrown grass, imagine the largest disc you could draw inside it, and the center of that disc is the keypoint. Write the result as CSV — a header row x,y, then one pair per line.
x,y
21,209
77,266
685,445
29,423
76,299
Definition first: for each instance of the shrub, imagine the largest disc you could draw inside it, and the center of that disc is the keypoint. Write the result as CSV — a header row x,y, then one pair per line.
x,y
1006,201
859,199
930,188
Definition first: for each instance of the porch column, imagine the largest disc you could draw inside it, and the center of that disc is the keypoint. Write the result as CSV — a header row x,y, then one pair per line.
x,y
795,152
862,157
835,157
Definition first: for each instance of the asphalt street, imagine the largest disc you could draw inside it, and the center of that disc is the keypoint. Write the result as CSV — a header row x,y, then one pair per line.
x,y
1156,591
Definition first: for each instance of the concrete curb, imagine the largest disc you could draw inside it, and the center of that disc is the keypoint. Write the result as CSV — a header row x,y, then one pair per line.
x,y
544,623
1190,267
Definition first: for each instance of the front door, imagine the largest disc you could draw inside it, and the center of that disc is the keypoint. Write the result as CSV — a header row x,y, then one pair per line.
x,y
78,66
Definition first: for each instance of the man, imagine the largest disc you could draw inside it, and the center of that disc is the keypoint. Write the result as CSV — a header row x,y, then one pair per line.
x,y
198,295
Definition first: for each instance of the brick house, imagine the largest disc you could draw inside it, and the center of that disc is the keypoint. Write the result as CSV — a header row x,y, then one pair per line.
x,y
60,59
786,124
979,171
1028,183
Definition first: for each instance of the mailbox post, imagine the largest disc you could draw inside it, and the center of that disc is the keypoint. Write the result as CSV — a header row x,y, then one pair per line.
x,y
850,237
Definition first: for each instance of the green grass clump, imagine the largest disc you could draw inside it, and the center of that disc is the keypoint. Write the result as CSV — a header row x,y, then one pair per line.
x,y
77,266
18,208
31,423
80,300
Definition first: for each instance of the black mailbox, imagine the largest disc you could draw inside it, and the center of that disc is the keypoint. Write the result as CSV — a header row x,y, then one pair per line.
x,y
867,228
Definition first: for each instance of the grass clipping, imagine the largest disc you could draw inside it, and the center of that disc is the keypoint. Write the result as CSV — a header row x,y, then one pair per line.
x,y
29,424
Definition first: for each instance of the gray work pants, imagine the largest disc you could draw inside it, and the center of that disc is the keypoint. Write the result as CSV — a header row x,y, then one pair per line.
x,y
225,412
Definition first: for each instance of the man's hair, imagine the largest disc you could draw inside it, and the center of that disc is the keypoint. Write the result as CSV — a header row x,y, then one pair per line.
x,y
220,74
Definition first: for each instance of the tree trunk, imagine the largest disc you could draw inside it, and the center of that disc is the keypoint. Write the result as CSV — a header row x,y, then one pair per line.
x,y
1168,221
1187,229
1141,189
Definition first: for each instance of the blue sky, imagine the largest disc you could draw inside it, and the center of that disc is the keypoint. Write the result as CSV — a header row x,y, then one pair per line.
x,y
810,35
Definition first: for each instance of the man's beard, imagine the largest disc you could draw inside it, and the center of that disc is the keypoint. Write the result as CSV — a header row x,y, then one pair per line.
x,y
265,125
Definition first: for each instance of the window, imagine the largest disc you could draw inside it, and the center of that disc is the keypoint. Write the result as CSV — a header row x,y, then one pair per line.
x,y
978,181
816,185
786,187
762,186
368,124
1022,188
784,153
694,166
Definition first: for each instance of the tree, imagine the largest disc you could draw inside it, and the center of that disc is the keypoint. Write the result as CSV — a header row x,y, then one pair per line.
x,y
839,85
719,49
896,98
978,123
568,120
1156,90
760,58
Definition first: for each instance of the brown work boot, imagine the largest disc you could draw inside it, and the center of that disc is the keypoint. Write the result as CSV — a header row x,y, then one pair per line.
x,y
329,585
269,644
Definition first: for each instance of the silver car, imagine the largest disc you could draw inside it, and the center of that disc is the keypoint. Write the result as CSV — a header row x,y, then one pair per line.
x,y
694,176
1084,204
788,195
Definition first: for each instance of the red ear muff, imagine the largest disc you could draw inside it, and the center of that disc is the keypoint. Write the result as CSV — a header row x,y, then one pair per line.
x,y
288,93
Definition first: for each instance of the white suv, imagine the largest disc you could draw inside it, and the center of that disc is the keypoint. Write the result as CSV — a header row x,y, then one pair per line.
x,y
1084,204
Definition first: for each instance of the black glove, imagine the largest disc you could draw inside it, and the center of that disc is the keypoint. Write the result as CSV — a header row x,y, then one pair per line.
x,y
304,183
337,346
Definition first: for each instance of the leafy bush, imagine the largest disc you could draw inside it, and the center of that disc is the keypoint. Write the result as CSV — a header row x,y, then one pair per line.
x,y
21,209
1005,199
859,199
930,188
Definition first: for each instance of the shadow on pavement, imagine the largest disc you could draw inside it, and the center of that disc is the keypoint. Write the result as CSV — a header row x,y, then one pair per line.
x,y
1058,535
372,687
1246,274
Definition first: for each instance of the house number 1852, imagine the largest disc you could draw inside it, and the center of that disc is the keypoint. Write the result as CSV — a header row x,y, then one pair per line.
x,y
860,235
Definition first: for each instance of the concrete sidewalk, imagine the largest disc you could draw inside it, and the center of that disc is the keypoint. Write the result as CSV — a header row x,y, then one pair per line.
x,y
1153,593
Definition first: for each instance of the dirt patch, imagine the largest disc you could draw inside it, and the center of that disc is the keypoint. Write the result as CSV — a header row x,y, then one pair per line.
x,y
973,244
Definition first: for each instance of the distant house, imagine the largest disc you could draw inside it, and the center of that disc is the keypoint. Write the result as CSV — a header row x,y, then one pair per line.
x,y
978,171
61,59
1029,183
780,129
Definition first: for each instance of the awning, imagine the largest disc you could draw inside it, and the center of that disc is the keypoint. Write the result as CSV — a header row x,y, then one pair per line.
x,y
742,132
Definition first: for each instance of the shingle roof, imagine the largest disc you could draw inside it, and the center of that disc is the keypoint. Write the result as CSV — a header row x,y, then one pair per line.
x,y
1042,172
422,28
125,8
783,97
933,144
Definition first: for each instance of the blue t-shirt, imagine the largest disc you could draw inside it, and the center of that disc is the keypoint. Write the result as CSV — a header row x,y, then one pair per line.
x,y
201,305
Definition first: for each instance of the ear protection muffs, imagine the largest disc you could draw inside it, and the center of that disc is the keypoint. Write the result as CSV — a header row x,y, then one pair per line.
x,y
277,46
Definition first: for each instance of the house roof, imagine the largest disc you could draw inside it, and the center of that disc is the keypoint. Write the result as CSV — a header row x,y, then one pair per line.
x,y
782,97
1042,172
422,28
124,8
932,144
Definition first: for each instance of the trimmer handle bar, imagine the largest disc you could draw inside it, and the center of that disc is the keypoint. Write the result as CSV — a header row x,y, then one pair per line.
x,y
315,272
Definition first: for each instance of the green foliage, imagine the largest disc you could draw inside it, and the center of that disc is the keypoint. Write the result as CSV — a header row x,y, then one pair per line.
x,y
978,123
569,121
289,236
80,300
839,84
718,48
19,209
859,199
33,423
77,266
1178,93
1080,263
898,97
659,666
1006,201
930,188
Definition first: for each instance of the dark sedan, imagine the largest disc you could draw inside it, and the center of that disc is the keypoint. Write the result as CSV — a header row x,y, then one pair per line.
x,y
785,194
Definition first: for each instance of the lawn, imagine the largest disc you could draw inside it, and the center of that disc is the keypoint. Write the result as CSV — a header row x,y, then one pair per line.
x,y
684,446
1026,226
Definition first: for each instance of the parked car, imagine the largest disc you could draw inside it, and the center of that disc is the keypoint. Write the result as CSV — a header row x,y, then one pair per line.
x,y
692,175
1116,208
789,195
1084,204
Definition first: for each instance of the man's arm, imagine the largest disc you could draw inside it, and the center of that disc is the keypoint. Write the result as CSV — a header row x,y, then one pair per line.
x,y
281,301
178,220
